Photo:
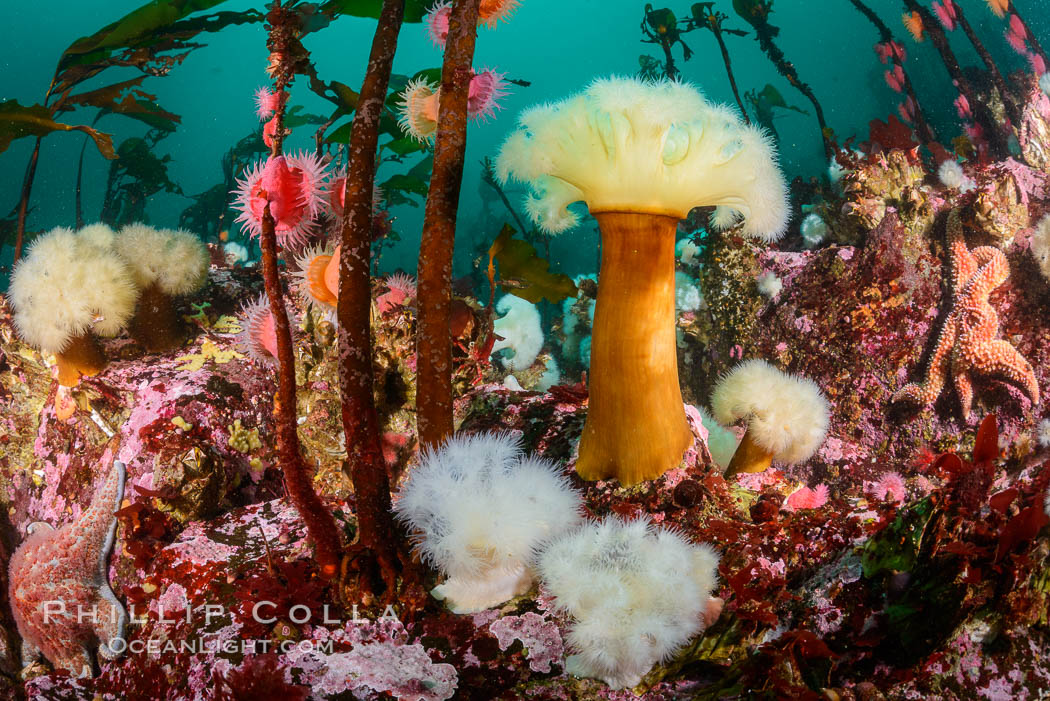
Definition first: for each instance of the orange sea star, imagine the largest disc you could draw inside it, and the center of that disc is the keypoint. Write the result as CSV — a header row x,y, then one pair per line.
x,y
968,340
59,585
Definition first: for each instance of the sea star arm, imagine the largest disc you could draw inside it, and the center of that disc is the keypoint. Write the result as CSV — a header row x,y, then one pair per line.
x,y
927,392
112,620
1000,358
963,386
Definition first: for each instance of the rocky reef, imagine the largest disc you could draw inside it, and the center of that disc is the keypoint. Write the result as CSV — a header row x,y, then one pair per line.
x,y
907,558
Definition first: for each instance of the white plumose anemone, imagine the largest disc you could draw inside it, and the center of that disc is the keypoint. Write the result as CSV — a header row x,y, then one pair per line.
x,y
641,155
787,416
67,288
659,148
814,230
636,595
769,285
174,260
520,330
480,510
687,295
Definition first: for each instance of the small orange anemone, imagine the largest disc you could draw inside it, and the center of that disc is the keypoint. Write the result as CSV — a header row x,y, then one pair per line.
x,y
492,11
331,273
419,109
913,23
999,7
313,263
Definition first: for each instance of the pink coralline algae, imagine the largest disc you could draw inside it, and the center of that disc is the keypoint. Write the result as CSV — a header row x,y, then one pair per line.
x,y
293,189
59,585
968,343
539,636
806,498
383,663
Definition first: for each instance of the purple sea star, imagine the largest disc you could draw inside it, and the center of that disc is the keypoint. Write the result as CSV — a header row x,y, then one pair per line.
x,y
59,585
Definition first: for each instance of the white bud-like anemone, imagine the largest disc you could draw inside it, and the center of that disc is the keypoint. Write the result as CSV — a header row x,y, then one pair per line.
x,y
769,285
176,261
787,416
1041,245
520,332
687,295
626,145
480,511
69,285
1042,434
636,595
814,230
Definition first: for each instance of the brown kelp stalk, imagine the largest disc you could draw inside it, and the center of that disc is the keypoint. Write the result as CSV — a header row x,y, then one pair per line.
x,y
1012,109
951,63
704,16
661,27
434,343
376,532
320,525
758,17
925,131
23,203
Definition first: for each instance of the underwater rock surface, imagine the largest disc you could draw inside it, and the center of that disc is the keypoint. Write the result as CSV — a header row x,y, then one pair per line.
x,y
906,559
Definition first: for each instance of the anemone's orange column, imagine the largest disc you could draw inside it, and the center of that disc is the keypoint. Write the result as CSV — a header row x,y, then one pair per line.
x,y
636,427
82,357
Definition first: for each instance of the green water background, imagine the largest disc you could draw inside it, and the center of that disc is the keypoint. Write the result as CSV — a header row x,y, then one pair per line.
x,y
556,45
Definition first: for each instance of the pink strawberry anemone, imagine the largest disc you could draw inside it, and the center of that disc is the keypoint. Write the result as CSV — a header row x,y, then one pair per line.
x,y
487,88
265,103
337,195
259,333
490,13
421,101
292,187
400,289
437,23
806,498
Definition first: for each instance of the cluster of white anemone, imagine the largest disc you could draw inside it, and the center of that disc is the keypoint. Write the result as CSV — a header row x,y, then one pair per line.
x,y
481,510
492,519
636,594
88,281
